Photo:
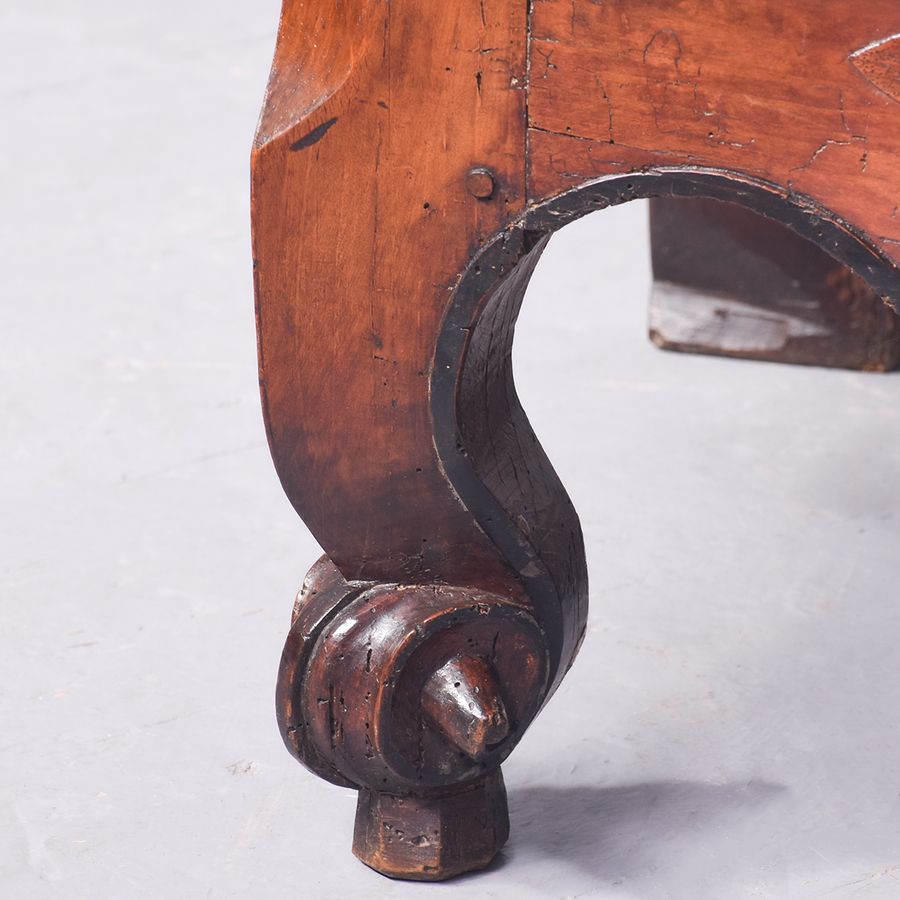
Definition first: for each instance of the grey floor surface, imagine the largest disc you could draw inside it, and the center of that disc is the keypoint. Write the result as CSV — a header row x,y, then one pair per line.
x,y
731,727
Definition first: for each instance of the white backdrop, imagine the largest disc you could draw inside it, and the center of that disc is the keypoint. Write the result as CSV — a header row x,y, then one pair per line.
x,y
730,729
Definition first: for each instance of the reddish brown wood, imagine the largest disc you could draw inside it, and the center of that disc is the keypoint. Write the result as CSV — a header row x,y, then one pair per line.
x,y
374,116
766,91
412,161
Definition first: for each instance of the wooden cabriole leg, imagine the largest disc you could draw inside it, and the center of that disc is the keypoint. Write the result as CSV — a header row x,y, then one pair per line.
x,y
732,283
412,160
452,596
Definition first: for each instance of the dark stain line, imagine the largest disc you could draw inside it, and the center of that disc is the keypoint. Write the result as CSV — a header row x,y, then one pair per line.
x,y
314,136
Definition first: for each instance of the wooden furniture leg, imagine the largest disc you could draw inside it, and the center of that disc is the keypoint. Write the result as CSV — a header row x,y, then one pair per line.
x,y
411,162
730,282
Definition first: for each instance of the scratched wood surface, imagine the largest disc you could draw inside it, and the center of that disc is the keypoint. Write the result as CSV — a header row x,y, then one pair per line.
x,y
411,163
362,223
773,90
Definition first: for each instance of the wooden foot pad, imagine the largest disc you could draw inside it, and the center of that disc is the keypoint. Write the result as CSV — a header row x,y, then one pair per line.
x,y
432,838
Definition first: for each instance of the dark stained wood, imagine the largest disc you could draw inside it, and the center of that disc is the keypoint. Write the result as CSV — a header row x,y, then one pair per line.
x,y
360,231
432,838
411,162
416,694
463,701
730,282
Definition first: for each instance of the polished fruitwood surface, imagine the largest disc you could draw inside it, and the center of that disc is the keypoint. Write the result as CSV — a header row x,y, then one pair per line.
x,y
411,162
769,90
362,224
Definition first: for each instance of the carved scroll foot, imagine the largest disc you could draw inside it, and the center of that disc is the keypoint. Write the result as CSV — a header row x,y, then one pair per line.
x,y
414,694
398,212
432,838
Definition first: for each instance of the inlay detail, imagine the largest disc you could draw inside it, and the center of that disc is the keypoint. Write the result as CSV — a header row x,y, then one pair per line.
x,y
880,64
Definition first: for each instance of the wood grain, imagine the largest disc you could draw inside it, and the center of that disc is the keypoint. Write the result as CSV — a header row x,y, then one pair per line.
x,y
411,163
764,89
359,238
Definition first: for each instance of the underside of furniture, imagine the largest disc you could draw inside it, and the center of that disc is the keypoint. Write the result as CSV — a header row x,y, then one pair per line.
x,y
412,160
